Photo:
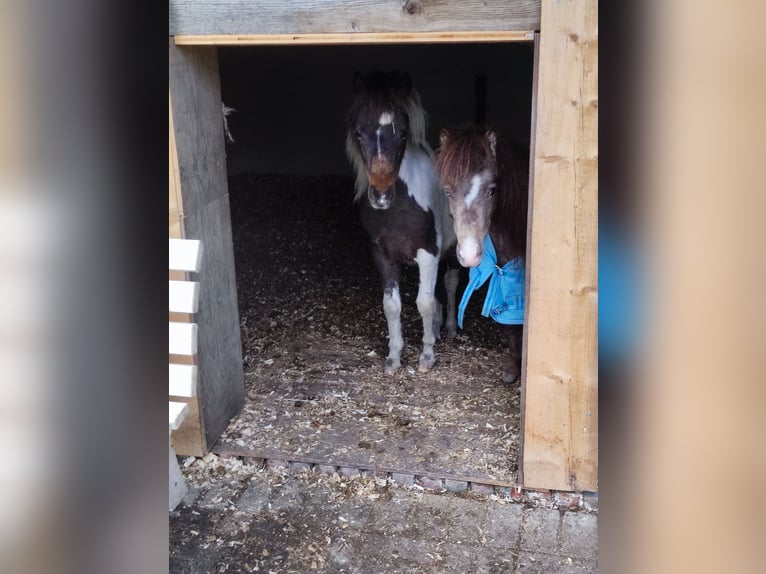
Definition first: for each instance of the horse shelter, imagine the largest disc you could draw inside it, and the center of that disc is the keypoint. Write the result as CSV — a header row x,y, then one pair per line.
x,y
287,273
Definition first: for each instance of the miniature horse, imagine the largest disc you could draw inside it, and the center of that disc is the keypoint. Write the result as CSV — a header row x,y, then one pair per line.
x,y
404,213
486,180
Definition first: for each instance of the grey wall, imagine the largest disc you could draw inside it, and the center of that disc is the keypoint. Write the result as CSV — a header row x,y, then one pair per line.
x,y
291,101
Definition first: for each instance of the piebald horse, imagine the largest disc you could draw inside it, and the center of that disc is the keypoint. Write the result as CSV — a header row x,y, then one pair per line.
x,y
402,208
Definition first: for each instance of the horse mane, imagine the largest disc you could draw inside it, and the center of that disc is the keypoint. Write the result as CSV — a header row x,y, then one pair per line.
x,y
381,90
467,151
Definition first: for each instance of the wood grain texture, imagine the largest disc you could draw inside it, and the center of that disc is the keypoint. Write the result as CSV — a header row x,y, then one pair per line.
x,y
221,379
175,202
224,448
356,38
530,205
561,417
189,438
198,130
216,17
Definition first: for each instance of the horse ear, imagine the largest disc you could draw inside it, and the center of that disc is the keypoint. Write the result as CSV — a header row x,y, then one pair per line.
x,y
492,139
443,137
358,82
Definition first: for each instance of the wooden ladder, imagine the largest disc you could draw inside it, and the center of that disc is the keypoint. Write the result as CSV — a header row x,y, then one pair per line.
x,y
184,258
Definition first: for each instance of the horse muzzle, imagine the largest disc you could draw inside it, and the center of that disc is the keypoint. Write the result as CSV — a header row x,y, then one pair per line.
x,y
382,178
469,252
380,200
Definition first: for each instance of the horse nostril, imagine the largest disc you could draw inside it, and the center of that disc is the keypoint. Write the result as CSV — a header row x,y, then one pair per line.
x,y
469,253
380,200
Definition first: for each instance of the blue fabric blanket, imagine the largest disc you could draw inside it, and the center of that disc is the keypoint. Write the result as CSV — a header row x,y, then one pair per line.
x,y
505,295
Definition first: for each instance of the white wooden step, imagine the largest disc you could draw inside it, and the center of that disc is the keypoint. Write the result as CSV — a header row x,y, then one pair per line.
x,y
182,338
185,254
176,414
182,380
183,296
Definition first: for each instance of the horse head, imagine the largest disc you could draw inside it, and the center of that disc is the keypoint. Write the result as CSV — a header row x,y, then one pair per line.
x,y
468,172
380,125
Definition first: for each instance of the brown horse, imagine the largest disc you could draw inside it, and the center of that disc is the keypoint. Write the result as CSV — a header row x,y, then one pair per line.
x,y
486,180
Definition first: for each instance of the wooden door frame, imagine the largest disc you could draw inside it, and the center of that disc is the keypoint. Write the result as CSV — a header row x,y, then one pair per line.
x,y
559,371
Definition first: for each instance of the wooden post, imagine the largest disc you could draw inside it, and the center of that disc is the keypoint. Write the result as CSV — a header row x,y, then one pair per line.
x,y
175,201
199,171
560,426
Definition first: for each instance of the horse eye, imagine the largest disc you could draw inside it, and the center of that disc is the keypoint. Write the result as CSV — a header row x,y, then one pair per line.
x,y
404,134
491,190
447,192
358,134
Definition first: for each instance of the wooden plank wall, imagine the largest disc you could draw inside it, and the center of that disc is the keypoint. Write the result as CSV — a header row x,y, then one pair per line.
x,y
216,17
561,385
197,132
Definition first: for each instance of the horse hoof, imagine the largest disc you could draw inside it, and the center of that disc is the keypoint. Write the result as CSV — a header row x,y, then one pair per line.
x,y
509,378
391,366
451,332
426,363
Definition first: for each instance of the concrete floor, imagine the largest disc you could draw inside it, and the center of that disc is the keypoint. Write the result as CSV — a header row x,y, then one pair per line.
x,y
241,518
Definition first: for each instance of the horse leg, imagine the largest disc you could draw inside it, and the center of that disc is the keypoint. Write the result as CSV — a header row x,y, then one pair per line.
x,y
441,297
512,371
428,266
438,318
392,308
451,280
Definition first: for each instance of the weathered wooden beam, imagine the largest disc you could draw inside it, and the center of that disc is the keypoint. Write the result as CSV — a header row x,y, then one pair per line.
x,y
358,39
217,17
560,424
197,120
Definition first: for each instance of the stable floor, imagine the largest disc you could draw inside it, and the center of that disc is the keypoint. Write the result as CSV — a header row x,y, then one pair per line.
x,y
314,340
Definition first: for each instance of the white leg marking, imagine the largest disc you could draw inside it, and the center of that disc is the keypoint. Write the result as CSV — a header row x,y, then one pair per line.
x,y
428,266
476,182
392,307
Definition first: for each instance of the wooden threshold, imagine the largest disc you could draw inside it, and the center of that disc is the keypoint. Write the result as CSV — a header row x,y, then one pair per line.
x,y
354,38
226,449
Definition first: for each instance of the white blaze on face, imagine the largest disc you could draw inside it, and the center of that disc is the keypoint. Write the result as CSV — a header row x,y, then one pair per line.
x,y
386,118
473,193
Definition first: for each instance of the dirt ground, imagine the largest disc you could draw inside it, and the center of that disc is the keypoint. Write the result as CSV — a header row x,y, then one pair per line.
x,y
314,340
